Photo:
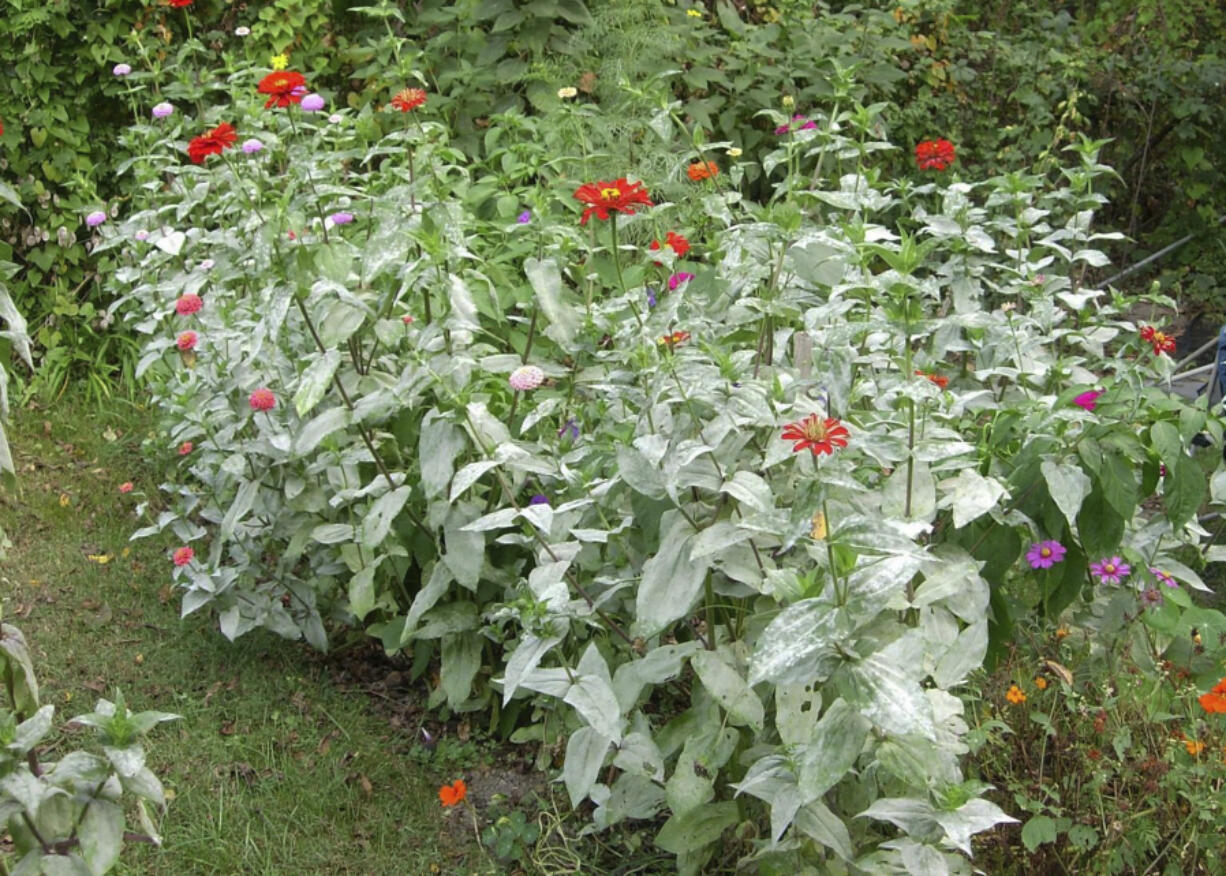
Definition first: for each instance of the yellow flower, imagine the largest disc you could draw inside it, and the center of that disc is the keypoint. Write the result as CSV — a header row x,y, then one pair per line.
x,y
735,152
1061,633
1015,695
279,62
788,101
567,93
1040,683
693,13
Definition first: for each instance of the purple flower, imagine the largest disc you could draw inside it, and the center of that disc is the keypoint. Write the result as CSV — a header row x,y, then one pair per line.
x,y
252,146
539,499
1045,554
341,218
94,219
335,119
651,297
1151,597
162,110
524,218
571,428
677,279
312,103
121,69
1110,570
1164,577
141,235
1087,400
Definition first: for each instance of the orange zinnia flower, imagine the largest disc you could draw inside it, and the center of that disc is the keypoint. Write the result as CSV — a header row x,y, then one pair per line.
x,y
1214,702
935,378
409,99
620,195
700,170
452,794
675,339
821,435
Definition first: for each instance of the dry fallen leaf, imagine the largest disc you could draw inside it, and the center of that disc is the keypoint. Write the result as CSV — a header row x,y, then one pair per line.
x,y
100,559
65,501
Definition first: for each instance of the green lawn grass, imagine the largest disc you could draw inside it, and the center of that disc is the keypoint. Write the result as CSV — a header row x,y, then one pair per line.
x,y
274,768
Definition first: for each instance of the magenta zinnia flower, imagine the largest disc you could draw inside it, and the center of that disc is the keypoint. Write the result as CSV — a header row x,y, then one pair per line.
x,y
183,556
1110,570
1045,554
1087,400
1164,577
677,279
262,400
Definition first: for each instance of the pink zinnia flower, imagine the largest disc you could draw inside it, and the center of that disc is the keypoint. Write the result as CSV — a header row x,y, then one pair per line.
x,y
677,279
1087,400
125,487
1045,554
187,341
1110,570
188,303
183,556
262,400
526,377
185,448
1164,577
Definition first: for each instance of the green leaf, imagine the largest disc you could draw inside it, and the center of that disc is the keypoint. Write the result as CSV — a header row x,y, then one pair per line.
x,y
340,320
832,749
319,428
1068,486
546,280
729,688
1038,829
972,818
697,828
972,496
440,443
797,647
671,581
238,509
585,754
461,659
315,381
378,519
101,834
1100,526
1183,490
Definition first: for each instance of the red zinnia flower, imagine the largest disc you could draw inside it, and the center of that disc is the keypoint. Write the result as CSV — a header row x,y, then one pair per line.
x,y
212,143
817,434
185,448
183,556
186,341
675,339
1160,341
188,303
179,4
673,241
409,99
125,487
701,170
262,400
620,195
934,154
935,378
283,87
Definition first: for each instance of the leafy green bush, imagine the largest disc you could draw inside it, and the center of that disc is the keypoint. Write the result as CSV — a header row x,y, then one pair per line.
x,y
421,393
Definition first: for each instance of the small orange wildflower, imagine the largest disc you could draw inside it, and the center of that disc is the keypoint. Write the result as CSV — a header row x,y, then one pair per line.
x,y
1061,633
1214,702
1041,683
700,170
452,794
1194,746
675,339
1015,695
938,379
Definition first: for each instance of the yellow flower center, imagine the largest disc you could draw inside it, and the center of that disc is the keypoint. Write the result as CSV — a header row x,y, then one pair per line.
x,y
610,194
1109,568
1045,552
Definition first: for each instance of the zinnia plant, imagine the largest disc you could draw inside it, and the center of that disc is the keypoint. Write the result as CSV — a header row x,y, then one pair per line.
x,y
409,99
283,87
701,170
618,196
816,433
213,143
936,154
